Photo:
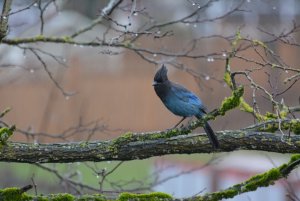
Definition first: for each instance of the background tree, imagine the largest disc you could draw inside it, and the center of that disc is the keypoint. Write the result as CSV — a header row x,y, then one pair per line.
x,y
78,76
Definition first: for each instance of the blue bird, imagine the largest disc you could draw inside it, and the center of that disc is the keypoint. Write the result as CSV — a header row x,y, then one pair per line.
x,y
181,101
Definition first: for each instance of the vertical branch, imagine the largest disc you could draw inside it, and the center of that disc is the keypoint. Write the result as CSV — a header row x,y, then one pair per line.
x,y
4,18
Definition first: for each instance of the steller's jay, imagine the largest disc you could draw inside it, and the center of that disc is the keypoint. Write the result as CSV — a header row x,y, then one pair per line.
x,y
181,101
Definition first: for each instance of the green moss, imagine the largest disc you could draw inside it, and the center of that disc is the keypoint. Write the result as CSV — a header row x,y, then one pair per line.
x,y
123,138
41,198
10,194
245,106
5,133
238,37
67,39
62,197
233,101
128,44
270,116
227,79
295,126
83,144
269,128
229,193
39,37
294,157
144,197
95,197
259,43
262,179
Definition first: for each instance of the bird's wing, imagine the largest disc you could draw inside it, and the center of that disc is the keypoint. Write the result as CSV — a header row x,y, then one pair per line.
x,y
186,96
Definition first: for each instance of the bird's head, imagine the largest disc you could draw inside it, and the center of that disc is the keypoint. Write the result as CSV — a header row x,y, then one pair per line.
x,y
160,76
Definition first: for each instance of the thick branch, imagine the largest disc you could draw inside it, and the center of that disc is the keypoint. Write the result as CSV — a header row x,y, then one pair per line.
x,y
140,146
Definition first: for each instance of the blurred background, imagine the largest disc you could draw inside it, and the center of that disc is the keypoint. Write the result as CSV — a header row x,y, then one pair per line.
x,y
113,92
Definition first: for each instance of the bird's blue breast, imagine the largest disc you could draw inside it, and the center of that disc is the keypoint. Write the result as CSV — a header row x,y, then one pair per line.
x,y
182,102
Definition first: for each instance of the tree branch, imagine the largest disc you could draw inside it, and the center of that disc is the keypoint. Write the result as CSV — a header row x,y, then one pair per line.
x,y
132,146
105,11
4,18
261,180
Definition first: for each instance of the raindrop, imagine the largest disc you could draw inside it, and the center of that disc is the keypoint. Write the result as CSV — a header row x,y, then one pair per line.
x,y
158,32
135,13
154,55
31,70
193,3
286,71
195,25
136,34
67,97
274,8
75,45
97,176
35,4
207,77
64,60
210,59
187,24
248,1
224,54
199,6
4,17
81,46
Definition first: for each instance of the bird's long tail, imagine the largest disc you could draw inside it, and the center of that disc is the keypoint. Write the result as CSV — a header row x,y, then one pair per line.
x,y
211,135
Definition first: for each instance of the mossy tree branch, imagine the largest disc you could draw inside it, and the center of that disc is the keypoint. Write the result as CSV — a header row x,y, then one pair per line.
x,y
261,180
132,146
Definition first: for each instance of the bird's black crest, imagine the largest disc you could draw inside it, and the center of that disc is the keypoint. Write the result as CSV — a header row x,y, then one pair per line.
x,y
161,74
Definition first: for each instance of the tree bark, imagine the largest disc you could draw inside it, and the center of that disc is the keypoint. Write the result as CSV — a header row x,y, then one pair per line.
x,y
132,146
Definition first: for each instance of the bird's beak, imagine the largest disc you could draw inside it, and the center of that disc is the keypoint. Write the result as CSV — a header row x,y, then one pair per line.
x,y
154,83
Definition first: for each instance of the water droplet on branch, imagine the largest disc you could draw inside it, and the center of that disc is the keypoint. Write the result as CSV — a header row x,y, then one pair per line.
x,y
210,59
